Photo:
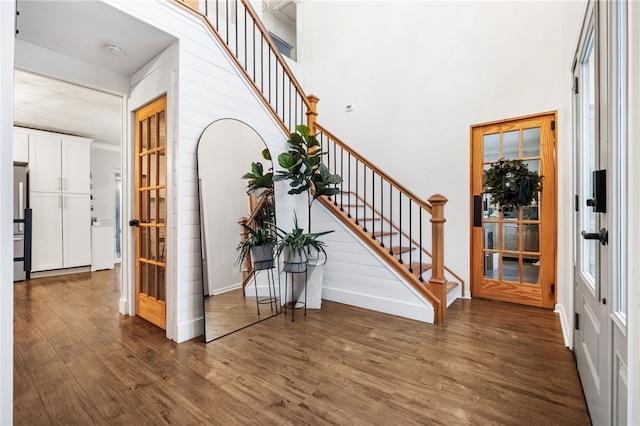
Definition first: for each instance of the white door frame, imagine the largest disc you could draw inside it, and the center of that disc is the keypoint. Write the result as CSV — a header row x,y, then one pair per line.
x,y
601,330
633,207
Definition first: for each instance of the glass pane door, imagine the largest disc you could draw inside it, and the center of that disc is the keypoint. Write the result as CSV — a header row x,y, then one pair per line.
x,y
151,188
514,249
511,244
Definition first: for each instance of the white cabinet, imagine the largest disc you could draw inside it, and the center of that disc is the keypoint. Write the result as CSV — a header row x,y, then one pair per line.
x,y
45,164
20,146
59,163
102,247
76,230
47,231
76,170
61,230
59,185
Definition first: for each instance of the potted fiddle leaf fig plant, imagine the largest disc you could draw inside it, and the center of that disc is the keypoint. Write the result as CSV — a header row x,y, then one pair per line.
x,y
302,166
260,243
256,178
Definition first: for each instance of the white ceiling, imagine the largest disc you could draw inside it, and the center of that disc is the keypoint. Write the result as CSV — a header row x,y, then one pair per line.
x,y
81,30
47,104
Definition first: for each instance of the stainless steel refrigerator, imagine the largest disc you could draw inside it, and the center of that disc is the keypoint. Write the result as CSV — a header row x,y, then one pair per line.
x,y
19,204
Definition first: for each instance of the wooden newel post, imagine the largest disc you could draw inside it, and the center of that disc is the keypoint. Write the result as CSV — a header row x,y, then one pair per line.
x,y
312,113
437,282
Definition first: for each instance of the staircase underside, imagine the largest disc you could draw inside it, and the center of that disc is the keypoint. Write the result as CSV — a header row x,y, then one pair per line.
x,y
410,273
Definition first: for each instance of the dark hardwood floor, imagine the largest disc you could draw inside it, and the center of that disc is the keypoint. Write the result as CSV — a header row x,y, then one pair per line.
x,y
78,362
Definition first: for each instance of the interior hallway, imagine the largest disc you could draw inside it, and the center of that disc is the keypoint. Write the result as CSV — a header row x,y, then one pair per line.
x,y
77,361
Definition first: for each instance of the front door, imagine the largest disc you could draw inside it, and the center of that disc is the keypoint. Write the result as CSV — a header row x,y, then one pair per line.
x,y
513,253
150,207
600,92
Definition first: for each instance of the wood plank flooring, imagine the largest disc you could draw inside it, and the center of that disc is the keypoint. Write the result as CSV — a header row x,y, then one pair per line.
x,y
229,312
78,362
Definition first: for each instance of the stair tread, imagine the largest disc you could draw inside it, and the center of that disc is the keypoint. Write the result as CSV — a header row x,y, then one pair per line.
x,y
401,249
415,266
384,234
451,285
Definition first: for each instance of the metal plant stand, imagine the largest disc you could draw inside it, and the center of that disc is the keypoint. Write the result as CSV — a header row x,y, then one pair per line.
x,y
273,298
291,269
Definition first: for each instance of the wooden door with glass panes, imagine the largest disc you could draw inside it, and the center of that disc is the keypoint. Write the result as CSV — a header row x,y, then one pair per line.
x,y
150,207
513,253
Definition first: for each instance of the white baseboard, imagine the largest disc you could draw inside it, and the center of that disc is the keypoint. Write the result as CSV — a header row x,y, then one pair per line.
x,y
189,330
567,334
124,307
58,272
227,288
417,312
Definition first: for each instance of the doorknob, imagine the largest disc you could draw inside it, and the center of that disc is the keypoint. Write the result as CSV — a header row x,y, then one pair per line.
x,y
602,236
134,222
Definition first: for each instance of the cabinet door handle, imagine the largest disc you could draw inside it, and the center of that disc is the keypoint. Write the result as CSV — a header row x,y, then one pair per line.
x,y
60,183
59,201
20,205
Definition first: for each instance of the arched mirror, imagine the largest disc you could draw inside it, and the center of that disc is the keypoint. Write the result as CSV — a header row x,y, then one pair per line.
x,y
235,295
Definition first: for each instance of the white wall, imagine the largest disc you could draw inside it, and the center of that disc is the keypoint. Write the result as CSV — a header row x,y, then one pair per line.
x,y
105,160
419,74
7,32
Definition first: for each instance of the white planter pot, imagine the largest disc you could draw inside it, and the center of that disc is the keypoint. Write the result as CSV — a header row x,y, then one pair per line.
x,y
315,276
294,261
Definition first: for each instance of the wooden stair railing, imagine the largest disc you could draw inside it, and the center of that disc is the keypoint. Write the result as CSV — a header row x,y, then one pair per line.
x,y
390,219
395,230
263,208
242,34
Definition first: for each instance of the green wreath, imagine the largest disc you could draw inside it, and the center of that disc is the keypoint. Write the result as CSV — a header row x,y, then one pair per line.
x,y
511,184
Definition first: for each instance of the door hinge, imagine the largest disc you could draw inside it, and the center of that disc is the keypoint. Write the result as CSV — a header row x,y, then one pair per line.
x,y
577,203
553,125
553,288
576,321
575,85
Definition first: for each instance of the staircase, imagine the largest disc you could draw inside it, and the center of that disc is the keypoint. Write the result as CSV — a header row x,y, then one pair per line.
x,y
391,220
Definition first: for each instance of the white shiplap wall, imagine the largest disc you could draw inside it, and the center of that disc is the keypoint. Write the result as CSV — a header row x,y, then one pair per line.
x,y
355,276
208,88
